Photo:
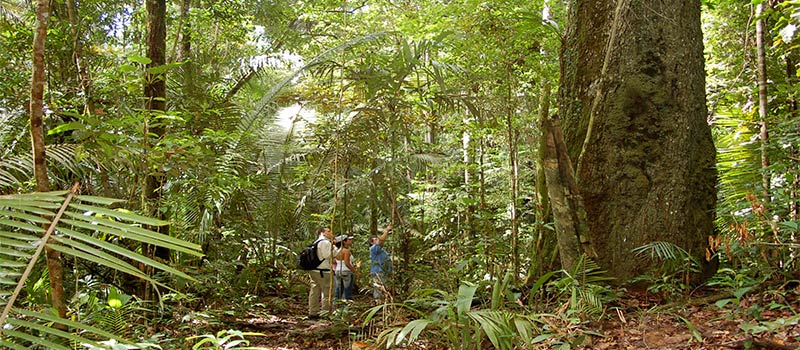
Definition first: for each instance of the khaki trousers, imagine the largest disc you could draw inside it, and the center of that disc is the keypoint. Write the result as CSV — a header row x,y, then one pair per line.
x,y
319,294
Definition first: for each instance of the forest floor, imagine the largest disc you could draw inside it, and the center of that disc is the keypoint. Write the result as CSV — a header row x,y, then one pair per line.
x,y
708,320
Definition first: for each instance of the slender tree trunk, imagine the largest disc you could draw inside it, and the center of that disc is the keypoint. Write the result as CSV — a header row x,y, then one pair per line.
x,y
513,167
83,74
53,257
155,103
791,77
565,197
762,100
634,115
543,206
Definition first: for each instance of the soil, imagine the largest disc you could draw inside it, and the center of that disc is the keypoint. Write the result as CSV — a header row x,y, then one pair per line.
x,y
709,320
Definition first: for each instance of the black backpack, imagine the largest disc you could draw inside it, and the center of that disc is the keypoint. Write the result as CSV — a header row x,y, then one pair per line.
x,y
308,258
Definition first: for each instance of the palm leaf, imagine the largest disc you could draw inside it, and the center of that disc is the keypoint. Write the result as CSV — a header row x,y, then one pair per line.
x,y
82,236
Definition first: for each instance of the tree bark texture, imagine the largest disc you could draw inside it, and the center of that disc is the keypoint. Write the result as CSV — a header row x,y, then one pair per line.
x,y
155,94
633,74
53,257
761,63
565,198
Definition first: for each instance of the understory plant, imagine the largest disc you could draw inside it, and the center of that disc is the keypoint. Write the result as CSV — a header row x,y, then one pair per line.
x,y
452,319
87,229
673,270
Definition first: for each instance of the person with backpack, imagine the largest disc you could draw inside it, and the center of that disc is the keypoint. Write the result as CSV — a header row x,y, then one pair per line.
x,y
319,294
381,265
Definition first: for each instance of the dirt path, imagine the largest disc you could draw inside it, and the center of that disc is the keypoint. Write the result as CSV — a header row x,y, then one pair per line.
x,y
764,321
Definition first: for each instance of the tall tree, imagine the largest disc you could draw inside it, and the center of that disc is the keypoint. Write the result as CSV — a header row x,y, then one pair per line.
x,y
761,63
53,257
633,104
155,93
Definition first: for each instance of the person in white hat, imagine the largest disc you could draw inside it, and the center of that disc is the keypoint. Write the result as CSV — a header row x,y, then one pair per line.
x,y
344,270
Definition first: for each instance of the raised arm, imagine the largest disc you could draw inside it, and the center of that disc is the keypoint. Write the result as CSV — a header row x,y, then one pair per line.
x,y
382,237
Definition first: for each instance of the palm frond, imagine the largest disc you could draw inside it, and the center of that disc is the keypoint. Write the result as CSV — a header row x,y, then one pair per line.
x,y
77,226
18,169
662,251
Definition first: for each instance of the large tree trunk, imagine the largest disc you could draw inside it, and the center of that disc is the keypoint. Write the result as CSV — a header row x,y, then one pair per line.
x,y
634,112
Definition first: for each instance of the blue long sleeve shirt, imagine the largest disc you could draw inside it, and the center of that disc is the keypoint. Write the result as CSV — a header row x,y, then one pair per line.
x,y
381,262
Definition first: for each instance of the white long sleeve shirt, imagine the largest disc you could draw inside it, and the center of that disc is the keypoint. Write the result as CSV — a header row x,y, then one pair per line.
x,y
324,253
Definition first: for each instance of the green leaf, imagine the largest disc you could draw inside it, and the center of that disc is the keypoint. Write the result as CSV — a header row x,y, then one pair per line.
x,y
412,329
464,301
99,200
20,215
126,68
103,259
120,214
18,236
137,234
542,337
52,331
66,127
140,59
721,303
22,225
741,292
163,68
51,318
125,253
35,340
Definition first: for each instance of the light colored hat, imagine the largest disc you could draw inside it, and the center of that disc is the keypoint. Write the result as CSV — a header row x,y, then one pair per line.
x,y
342,238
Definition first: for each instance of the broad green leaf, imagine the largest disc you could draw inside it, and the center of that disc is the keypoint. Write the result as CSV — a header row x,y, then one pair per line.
x,y
66,127
114,300
721,303
140,59
163,68
464,301
741,292
126,68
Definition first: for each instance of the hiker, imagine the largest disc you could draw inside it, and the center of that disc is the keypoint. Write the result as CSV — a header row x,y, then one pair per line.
x,y
344,271
320,277
381,265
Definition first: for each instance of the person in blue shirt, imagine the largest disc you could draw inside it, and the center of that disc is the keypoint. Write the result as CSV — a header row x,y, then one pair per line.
x,y
381,265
